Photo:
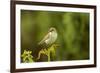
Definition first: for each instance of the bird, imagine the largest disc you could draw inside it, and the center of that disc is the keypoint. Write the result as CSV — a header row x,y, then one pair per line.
x,y
50,37
47,41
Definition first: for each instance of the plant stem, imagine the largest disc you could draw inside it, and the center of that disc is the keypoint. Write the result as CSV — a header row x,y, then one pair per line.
x,y
48,56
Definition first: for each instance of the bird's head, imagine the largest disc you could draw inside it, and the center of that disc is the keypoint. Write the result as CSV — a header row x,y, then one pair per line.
x,y
52,29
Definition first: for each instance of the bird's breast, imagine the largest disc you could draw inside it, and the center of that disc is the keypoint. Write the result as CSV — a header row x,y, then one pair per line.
x,y
52,38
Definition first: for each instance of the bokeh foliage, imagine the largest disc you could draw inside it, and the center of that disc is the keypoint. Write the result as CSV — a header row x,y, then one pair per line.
x,y
72,28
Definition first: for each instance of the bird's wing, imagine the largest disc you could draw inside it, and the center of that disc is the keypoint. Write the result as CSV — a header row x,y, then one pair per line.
x,y
45,38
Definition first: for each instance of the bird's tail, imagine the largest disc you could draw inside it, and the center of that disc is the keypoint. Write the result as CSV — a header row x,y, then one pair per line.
x,y
38,49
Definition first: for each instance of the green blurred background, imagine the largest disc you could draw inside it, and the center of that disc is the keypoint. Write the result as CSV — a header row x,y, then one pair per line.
x,y
72,28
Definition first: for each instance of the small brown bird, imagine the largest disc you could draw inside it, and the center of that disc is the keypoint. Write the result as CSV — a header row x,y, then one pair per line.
x,y
50,38
46,42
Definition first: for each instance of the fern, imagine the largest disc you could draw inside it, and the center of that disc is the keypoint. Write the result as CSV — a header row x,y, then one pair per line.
x,y
47,52
27,57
